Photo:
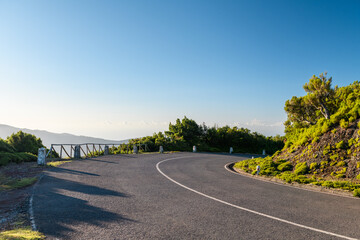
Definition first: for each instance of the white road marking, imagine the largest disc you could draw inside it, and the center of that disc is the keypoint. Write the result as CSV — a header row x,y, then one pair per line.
x,y
246,209
31,209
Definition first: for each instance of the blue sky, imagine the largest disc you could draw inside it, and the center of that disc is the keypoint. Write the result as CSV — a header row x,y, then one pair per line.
x,y
123,69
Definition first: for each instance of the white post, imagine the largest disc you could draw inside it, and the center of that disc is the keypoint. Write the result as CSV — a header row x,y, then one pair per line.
x,y
194,148
106,150
161,150
231,150
41,156
77,152
135,149
264,152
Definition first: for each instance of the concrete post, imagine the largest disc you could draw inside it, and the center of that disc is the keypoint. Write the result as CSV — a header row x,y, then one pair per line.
x,y
77,152
194,148
41,156
252,157
106,150
231,150
135,149
161,150
264,152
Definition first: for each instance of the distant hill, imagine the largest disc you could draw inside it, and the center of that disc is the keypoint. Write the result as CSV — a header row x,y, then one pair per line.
x,y
49,138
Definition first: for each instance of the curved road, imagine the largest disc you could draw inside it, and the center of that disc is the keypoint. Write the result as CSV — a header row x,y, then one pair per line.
x,y
182,196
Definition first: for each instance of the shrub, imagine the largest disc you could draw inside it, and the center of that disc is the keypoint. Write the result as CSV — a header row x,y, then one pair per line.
x,y
315,140
328,184
301,168
341,164
286,166
24,142
344,123
357,193
313,166
6,158
358,176
324,163
341,145
5,147
340,175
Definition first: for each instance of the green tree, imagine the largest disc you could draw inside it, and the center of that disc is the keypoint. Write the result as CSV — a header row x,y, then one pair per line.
x,y
320,94
24,142
186,129
319,102
299,111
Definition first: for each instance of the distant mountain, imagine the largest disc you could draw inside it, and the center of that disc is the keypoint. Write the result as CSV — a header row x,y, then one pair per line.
x,y
49,138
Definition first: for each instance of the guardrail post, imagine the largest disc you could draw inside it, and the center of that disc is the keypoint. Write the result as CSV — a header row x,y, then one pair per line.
x,y
194,148
41,156
77,152
106,150
231,150
135,149
264,153
161,150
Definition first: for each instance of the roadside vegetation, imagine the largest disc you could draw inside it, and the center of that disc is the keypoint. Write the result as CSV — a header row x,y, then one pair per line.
x,y
186,133
21,234
8,183
322,145
19,147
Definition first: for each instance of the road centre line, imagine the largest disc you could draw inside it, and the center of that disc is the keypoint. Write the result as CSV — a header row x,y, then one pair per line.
x,y
246,209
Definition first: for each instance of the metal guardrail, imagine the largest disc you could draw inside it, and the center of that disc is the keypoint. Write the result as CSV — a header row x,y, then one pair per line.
x,y
91,149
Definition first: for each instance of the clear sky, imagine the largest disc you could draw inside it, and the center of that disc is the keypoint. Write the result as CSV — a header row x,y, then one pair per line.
x,y
123,69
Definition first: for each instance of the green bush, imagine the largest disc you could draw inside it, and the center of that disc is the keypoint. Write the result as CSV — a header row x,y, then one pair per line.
x,y
6,158
328,184
24,142
357,193
358,177
301,168
313,166
341,145
5,147
344,123
286,166
341,164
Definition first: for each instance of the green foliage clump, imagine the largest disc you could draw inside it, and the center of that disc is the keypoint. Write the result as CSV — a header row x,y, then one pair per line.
x,y
344,123
5,147
301,168
356,193
334,157
324,163
341,164
6,158
315,140
341,145
24,142
286,166
358,177
313,166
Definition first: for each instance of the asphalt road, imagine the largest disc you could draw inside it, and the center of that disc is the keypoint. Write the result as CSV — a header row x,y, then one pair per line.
x,y
182,196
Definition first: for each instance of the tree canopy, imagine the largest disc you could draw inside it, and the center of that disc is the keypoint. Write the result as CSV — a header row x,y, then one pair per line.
x,y
24,142
185,133
319,102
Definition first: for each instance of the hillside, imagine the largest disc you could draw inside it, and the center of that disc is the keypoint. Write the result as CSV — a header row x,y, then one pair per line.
x,y
48,137
322,141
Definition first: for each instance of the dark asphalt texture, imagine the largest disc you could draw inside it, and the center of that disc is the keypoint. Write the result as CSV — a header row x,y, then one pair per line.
x,y
125,197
